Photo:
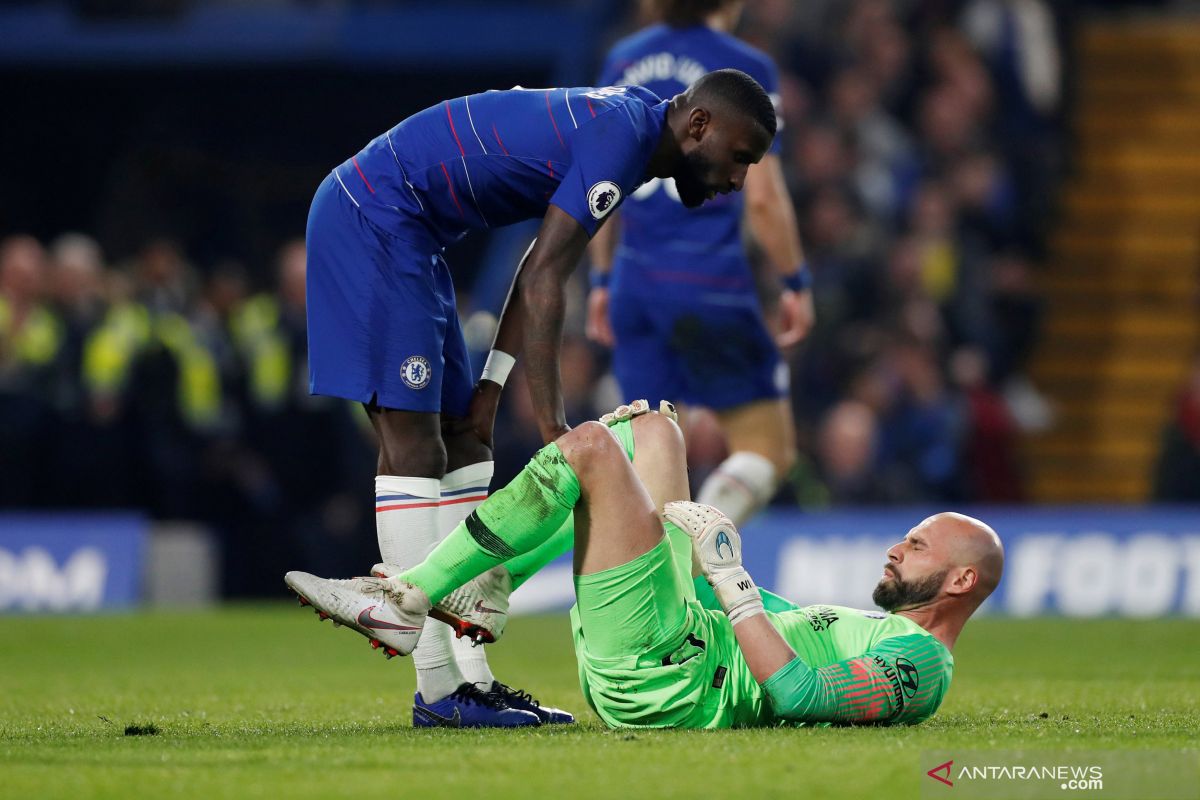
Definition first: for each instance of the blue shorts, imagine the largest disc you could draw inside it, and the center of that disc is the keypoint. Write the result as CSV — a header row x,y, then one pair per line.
x,y
715,355
382,324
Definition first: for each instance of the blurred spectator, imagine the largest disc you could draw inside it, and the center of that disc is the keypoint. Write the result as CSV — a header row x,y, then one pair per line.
x,y
31,342
880,142
989,452
921,429
77,285
823,160
164,278
986,199
848,456
213,320
1177,476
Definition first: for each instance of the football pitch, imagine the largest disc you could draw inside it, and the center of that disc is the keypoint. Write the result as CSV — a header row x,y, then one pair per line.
x,y
261,701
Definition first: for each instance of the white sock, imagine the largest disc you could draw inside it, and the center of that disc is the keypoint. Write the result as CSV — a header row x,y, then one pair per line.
x,y
406,522
740,486
462,492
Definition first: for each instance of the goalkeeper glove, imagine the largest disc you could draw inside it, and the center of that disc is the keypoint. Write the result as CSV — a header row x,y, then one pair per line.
x,y
717,549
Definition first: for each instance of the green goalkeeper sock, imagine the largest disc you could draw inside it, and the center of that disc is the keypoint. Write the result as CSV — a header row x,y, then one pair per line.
x,y
513,521
522,567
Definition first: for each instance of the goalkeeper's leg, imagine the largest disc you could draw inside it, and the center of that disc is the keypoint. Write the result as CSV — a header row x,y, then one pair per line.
x,y
655,445
585,470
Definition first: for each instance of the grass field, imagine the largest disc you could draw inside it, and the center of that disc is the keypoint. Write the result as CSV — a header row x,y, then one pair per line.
x,y
260,701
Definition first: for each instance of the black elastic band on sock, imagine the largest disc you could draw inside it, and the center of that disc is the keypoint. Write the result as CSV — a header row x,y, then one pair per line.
x,y
485,538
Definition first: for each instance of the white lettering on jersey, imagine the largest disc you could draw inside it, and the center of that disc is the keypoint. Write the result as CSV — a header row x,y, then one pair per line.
x,y
661,67
607,91
647,189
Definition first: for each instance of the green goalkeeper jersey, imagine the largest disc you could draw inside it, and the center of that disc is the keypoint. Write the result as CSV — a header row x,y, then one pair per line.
x,y
851,666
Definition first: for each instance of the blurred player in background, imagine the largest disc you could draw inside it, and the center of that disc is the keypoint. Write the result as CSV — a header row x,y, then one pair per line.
x,y
673,292
657,648
384,331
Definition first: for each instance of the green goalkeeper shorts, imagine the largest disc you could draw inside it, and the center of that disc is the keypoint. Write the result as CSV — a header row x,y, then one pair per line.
x,y
650,656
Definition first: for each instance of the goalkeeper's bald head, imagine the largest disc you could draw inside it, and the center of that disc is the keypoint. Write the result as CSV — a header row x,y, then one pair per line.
x,y
948,557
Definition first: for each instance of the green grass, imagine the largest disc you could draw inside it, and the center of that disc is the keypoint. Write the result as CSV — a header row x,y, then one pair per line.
x,y
260,701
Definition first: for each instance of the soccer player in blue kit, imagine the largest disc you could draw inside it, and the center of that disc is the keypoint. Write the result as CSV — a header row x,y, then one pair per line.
x,y
673,292
383,329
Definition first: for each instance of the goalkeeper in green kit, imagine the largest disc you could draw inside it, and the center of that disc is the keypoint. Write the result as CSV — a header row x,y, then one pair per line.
x,y
656,648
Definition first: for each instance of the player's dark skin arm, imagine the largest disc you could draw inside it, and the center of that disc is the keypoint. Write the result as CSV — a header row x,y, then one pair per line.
x,y
510,336
541,287
601,252
480,421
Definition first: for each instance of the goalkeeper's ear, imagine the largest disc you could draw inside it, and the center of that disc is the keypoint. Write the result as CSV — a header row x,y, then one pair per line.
x,y
962,582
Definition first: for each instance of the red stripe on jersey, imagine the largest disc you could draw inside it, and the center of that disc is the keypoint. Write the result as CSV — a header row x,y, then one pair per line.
x,y
456,140
450,186
589,102
370,188
550,167
497,135
555,124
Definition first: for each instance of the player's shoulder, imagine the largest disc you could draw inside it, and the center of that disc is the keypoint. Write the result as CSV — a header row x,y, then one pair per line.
x,y
636,103
632,94
919,647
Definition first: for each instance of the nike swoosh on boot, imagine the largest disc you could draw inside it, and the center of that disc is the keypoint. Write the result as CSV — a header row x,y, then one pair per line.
x,y
453,721
367,621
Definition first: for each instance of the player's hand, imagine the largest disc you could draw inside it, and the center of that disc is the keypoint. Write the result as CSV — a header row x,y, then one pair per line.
x,y
481,413
553,431
598,328
717,551
796,317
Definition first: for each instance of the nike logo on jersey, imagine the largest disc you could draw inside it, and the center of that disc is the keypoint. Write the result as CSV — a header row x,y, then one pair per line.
x,y
367,621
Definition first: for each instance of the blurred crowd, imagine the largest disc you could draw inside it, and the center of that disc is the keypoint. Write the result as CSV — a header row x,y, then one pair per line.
x,y
153,385
922,143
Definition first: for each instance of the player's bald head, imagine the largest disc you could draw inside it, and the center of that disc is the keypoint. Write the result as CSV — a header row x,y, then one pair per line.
x,y
734,92
966,542
946,557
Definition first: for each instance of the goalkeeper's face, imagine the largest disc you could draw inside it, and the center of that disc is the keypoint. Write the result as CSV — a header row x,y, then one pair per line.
x,y
915,571
947,555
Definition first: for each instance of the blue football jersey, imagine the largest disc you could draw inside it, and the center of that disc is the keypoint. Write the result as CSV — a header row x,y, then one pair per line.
x,y
500,157
661,241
